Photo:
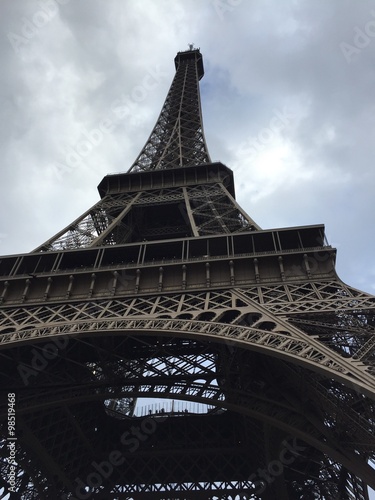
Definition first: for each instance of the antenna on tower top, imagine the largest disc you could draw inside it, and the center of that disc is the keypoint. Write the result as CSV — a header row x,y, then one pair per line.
x,y
191,46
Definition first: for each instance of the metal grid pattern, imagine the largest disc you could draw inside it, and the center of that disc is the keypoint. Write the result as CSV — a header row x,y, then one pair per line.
x,y
122,218
177,139
282,363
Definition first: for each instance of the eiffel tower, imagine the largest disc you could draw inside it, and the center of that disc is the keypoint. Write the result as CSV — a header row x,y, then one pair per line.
x,y
164,346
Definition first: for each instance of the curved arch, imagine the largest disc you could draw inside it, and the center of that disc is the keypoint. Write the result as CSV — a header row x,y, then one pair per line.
x,y
301,350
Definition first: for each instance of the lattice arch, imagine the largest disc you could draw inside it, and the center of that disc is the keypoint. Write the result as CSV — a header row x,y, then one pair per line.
x,y
167,289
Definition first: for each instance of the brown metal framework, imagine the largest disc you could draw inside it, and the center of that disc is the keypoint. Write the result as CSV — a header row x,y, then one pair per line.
x,y
167,289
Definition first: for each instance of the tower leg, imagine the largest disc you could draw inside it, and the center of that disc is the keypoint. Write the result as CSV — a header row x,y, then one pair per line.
x,y
275,462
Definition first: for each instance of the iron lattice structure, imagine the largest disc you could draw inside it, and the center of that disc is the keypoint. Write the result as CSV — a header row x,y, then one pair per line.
x,y
167,289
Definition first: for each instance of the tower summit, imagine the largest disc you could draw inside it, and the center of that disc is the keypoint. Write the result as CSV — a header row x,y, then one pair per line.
x,y
260,358
177,139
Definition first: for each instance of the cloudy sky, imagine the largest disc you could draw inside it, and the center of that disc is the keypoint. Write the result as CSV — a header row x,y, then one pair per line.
x,y
288,104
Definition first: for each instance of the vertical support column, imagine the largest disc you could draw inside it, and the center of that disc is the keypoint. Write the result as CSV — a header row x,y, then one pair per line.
x,y
189,213
231,267
184,277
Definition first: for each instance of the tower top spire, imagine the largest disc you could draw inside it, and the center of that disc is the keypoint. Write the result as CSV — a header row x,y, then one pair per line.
x,y
177,139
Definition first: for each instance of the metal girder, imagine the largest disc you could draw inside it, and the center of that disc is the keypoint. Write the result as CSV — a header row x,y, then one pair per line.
x,y
265,411
167,289
284,341
177,139
199,211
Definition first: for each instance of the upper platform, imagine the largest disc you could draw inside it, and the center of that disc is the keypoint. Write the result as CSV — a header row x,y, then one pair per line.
x,y
209,173
191,55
